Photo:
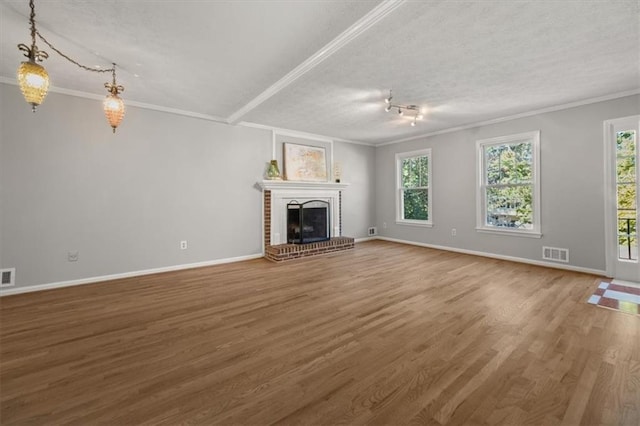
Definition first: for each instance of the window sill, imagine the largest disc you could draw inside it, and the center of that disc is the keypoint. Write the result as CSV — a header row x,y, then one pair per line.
x,y
509,232
420,223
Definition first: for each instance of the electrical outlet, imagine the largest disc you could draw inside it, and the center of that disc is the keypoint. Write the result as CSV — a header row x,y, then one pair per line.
x,y
384,225
372,231
453,232
183,245
72,256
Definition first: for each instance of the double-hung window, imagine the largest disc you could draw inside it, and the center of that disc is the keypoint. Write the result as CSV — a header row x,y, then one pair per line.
x,y
413,192
508,198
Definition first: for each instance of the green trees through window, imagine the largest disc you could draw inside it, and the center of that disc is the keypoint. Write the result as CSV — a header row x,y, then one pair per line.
x,y
509,185
415,184
627,198
413,202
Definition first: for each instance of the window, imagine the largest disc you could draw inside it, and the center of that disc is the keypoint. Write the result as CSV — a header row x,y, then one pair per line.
x,y
626,196
413,195
508,199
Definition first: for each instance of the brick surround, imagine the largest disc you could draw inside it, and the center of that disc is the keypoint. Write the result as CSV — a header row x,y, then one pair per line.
x,y
282,252
267,218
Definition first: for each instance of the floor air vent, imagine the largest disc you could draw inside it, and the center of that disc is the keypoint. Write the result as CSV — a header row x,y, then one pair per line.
x,y
8,277
555,254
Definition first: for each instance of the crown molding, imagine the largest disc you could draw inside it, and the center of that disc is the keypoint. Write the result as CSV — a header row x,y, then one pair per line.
x,y
93,96
326,138
362,25
299,134
517,116
275,130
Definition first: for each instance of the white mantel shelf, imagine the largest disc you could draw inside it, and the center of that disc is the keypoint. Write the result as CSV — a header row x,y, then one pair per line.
x,y
270,185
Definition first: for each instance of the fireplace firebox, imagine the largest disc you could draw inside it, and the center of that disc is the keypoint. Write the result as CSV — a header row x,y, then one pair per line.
x,y
308,222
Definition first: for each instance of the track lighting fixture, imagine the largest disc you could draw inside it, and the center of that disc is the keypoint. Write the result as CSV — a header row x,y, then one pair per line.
x,y
34,80
413,109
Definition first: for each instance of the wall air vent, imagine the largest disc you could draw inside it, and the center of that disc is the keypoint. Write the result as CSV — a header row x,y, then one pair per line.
x,y
555,254
8,276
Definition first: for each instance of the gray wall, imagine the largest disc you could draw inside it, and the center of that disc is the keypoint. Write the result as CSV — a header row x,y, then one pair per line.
x,y
125,201
358,200
572,185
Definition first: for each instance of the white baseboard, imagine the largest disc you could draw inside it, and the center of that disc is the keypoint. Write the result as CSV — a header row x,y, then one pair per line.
x,y
91,280
499,256
363,239
625,283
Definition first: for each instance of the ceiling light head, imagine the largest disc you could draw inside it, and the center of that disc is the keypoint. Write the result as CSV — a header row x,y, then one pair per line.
x,y
113,110
388,100
413,111
32,77
34,83
113,105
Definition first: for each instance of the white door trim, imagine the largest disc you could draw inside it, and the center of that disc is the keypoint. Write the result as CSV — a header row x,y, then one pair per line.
x,y
610,225
609,202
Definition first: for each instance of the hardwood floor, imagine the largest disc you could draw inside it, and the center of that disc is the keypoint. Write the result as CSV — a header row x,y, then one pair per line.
x,y
382,334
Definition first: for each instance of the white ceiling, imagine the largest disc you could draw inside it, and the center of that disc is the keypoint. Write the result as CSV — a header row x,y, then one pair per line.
x,y
325,66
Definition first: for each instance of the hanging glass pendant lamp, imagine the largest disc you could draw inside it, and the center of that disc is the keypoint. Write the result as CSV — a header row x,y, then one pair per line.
x,y
34,80
32,77
113,105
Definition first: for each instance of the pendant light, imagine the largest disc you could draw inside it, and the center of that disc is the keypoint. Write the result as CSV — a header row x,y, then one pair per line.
x,y
34,80
113,105
32,77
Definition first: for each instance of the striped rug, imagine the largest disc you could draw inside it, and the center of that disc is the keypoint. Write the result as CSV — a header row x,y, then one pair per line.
x,y
619,295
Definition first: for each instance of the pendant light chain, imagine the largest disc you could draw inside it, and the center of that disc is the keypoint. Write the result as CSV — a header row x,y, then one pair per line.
x,y
84,67
32,21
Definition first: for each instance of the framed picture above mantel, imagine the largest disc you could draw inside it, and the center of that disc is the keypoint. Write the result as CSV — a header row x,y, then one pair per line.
x,y
304,163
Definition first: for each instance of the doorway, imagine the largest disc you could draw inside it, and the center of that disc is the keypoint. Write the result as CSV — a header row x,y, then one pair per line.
x,y
621,197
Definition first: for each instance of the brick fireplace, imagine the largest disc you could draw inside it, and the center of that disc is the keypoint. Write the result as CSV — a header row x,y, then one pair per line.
x,y
276,196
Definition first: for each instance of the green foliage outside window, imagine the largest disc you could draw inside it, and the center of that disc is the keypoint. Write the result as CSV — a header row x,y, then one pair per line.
x,y
509,185
415,188
627,198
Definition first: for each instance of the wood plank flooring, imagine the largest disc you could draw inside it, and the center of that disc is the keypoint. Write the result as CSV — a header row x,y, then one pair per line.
x,y
382,334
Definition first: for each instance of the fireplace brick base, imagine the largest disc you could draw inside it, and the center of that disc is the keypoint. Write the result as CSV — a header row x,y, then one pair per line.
x,y
282,252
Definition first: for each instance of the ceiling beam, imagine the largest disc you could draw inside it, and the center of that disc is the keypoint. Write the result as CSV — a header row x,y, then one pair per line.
x,y
362,25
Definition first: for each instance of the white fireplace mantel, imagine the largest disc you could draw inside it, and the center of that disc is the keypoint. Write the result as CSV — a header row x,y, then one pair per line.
x,y
284,191
271,185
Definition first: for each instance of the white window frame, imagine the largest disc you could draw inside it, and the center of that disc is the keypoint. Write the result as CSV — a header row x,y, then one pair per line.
x,y
481,223
400,220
